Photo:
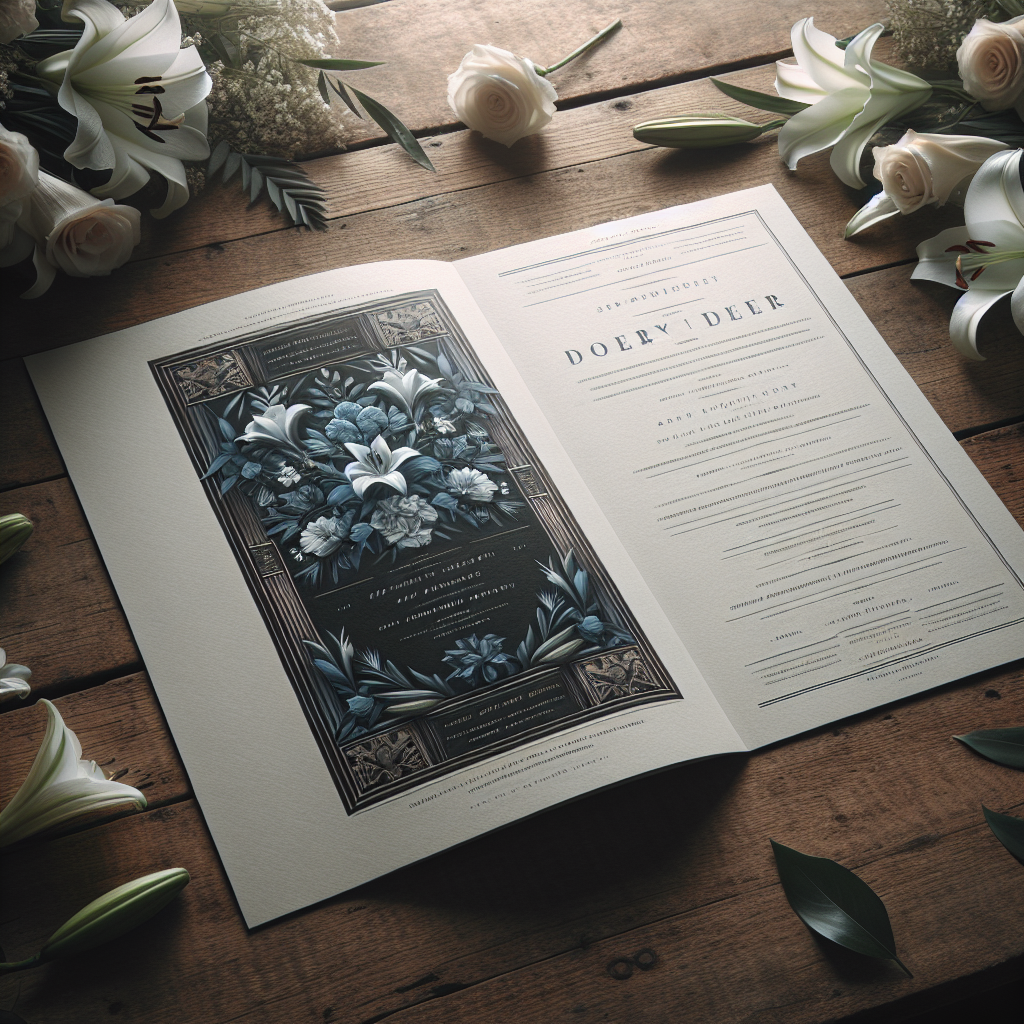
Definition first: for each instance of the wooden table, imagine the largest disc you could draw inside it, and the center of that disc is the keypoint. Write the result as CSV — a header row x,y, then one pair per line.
x,y
541,921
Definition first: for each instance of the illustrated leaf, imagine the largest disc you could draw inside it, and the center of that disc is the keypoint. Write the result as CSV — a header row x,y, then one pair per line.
x,y
341,64
1008,830
834,902
395,129
1004,746
761,100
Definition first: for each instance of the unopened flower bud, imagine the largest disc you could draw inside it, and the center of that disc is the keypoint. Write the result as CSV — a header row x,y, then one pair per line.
x,y
115,913
700,131
15,529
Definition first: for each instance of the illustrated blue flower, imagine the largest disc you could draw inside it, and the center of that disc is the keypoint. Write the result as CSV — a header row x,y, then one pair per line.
x,y
591,628
251,470
479,659
361,706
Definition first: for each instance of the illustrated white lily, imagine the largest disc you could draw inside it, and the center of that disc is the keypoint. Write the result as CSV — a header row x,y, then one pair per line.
x,y
406,389
851,97
277,426
60,787
986,256
377,464
13,678
138,97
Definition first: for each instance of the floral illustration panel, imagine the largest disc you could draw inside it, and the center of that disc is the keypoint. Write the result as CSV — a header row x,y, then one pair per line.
x,y
412,560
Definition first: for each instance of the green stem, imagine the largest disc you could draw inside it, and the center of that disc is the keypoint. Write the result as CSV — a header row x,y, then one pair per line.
x,y
19,965
953,91
589,44
771,125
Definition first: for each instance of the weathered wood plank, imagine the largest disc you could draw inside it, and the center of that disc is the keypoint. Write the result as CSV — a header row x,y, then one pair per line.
x,y
461,224
120,727
384,177
999,456
58,611
659,40
678,863
913,317
28,454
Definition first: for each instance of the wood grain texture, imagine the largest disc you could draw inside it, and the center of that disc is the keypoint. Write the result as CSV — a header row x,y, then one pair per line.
x,y
659,40
997,453
913,317
28,453
120,727
58,611
384,177
524,923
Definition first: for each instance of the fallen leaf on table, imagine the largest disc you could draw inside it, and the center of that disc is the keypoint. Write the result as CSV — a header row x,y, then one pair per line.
x,y
834,902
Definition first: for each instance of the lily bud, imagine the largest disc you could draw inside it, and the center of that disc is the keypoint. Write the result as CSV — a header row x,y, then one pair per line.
x,y
15,529
115,913
700,131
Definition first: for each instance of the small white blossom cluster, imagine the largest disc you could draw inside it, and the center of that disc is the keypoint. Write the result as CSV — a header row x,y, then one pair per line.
x,y
271,105
928,33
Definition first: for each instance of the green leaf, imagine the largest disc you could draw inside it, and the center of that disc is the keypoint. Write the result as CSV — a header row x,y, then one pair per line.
x,y
321,84
395,129
287,185
834,902
1004,746
761,100
340,64
345,94
1008,830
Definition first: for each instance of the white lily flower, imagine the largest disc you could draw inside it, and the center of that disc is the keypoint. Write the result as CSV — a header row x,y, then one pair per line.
x,y
60,787
277,426
13,678
406,389
986,256
138,97
851,97
377,464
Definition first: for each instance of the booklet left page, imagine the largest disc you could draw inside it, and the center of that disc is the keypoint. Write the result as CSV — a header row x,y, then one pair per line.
x,y
380,610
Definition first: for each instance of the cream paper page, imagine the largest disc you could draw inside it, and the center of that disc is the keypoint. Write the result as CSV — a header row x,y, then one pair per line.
x,y
816,537
265,791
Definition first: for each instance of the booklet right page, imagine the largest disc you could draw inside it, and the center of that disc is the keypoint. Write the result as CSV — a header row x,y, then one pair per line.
x,y
817,538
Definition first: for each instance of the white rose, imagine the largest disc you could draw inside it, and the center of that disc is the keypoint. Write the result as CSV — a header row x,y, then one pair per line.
x,y
500,95
991,62
922,169
17,18
83,236
19,166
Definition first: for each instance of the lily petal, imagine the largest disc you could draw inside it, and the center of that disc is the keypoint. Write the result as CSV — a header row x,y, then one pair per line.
x,y
816,52
59,786
878,208
819,126
967,314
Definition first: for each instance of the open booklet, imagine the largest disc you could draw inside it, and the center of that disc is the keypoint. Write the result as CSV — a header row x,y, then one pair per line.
x,y
414,549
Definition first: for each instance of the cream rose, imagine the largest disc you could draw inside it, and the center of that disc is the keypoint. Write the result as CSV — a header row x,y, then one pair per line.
x,y
19,166
922,169
83,236
500,95
991,62
17,18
